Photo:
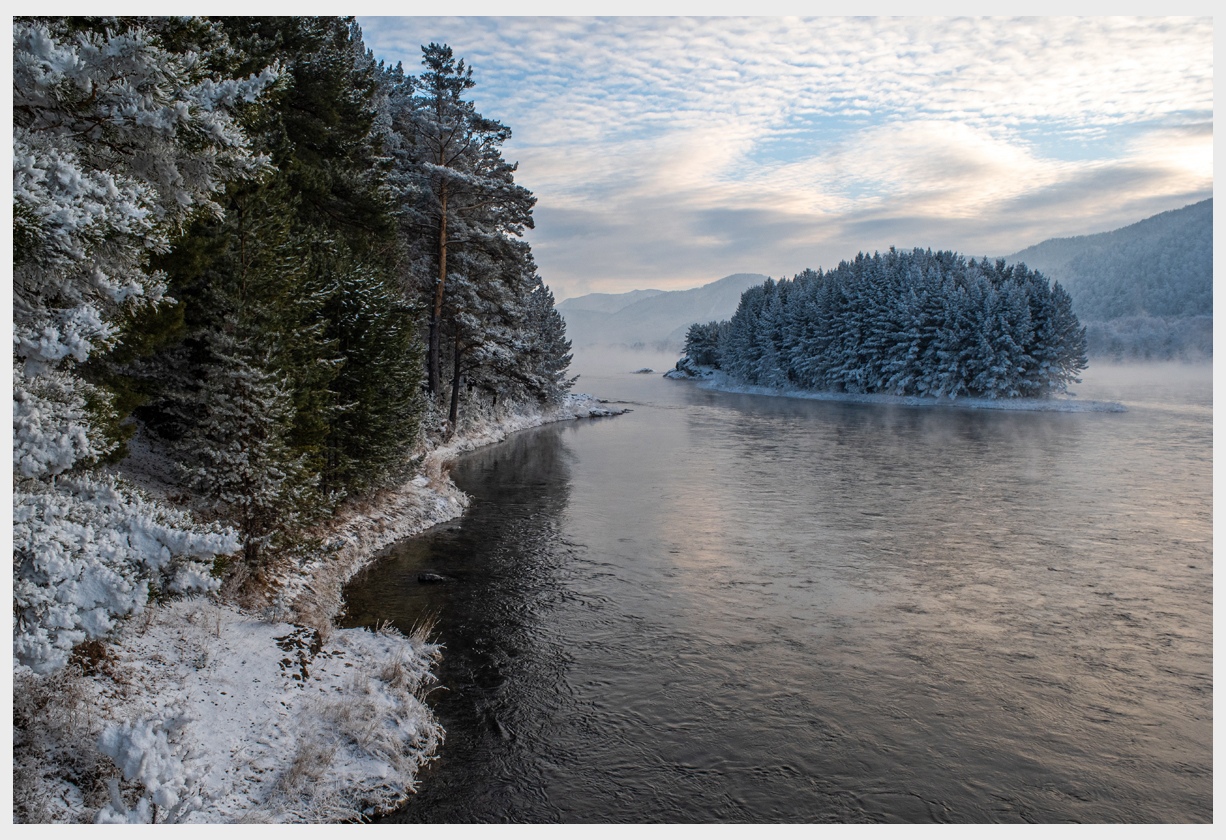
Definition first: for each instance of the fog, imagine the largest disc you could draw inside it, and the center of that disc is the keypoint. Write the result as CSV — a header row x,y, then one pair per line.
x,y
736,608
1155,384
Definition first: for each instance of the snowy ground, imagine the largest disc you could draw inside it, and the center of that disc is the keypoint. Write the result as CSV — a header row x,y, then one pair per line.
x,y
716,381
201,711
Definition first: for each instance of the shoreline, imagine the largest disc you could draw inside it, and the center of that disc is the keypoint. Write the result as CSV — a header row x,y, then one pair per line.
x,y
262,712
713,380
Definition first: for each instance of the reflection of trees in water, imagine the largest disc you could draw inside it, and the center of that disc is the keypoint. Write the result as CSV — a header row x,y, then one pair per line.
x,y
531,469
836,447
518,488
892,491
504,560
947,522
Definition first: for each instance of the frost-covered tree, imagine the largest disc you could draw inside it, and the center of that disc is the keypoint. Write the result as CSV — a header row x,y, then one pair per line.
x,y
514,341
456,189
919,322
306,263
377,385
546,353
237,456
118,139
702,343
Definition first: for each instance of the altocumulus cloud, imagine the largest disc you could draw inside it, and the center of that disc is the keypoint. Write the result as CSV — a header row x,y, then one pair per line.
x,y
668,152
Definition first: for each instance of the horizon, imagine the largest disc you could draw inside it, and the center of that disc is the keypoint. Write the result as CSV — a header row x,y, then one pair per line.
x,y
818,267
665,152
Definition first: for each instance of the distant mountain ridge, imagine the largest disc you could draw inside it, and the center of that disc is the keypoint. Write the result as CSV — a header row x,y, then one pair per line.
x,y
649,316
1144,290
1158,267
607,303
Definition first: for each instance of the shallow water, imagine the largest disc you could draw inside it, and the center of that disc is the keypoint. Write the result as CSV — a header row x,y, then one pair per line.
x,y
723,607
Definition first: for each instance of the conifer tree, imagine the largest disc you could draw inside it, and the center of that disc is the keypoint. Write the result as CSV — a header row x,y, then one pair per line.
x,y
457,189
919,322
238,456
118,140
307,260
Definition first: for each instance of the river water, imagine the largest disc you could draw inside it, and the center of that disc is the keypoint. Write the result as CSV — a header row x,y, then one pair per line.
x,y
725,607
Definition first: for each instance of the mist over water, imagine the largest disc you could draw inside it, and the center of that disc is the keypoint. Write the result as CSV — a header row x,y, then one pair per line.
x,y
725,607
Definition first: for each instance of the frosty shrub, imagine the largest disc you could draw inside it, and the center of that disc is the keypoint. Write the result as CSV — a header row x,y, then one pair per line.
x,y
146,754
88,550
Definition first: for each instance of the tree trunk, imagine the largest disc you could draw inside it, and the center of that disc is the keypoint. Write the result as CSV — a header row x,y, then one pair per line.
x,y
433,369
454,414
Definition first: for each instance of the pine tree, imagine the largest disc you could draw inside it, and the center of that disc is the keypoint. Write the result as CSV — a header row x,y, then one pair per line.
x,y
377,387
457,190
546,354
307,260
923,322
238,455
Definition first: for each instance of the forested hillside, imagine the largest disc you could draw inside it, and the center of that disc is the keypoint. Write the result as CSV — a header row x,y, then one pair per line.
x,y
270,256
1143,290
908,323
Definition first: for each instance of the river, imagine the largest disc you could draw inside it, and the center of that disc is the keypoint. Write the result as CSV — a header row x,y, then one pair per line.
x,y
724,607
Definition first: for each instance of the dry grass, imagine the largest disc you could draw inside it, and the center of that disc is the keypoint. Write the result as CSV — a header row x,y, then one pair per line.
x,y
311,763
437,471
55,728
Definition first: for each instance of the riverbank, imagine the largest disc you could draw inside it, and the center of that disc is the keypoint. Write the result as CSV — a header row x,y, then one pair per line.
x,y
238,710
714,380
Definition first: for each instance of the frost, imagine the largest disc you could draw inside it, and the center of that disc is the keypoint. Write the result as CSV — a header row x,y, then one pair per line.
x,y
918,323
143,751
207,723
115,142
88,550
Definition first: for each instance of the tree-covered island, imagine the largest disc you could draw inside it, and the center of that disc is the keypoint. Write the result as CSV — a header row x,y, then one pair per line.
x,y
914,323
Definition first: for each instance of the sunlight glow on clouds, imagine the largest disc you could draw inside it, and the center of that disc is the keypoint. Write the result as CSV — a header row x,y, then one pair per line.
x,y
669,152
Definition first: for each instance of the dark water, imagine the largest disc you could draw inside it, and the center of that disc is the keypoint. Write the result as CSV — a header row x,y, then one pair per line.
x,y
735,608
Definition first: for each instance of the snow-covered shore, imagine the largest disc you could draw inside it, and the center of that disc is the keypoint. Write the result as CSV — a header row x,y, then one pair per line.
x,y
202,710
715,380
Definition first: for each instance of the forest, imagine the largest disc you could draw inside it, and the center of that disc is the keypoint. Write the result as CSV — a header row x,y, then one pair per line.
x,y
921,322
1144,291
270,258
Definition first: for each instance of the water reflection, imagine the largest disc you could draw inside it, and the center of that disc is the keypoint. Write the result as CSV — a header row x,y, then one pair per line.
x,y
738,608
501,560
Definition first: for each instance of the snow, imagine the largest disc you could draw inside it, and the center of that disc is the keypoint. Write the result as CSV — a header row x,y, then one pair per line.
x,y
202,711
714,380
284,725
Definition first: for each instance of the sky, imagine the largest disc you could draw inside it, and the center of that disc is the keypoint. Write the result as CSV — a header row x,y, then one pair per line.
x,y
668,152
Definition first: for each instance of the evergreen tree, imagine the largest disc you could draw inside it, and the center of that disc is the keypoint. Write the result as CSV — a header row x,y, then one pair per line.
x,y
118,140
307,260
702,343
923,322
457,190
379,406
238,455
546,352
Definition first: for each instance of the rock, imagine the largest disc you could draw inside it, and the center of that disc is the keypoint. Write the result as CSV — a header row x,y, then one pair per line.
x,y
644,370
687,369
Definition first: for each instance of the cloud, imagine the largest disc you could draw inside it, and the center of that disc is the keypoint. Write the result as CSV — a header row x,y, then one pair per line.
x,y
677,150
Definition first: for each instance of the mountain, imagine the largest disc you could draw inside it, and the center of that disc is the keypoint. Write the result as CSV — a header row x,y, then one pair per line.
x,y
652,317
1159,267
608,304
